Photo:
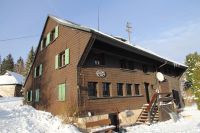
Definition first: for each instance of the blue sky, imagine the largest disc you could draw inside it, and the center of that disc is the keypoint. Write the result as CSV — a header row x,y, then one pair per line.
x,y
168,27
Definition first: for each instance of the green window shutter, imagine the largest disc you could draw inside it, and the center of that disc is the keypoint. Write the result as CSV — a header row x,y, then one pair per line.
x,y
56,61
56,32
67,56
63,92
41,45
35,72
37,95
40,72
59,92
48,39
31,95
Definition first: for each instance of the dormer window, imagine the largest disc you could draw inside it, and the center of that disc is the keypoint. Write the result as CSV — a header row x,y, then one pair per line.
x,y
99,60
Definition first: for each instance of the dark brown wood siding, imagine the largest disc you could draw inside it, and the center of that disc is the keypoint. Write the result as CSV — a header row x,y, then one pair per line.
x,y
76,41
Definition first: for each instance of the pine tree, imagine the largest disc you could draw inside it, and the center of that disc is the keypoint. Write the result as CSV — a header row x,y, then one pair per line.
x,y
193,74
19,66
29,61
7,64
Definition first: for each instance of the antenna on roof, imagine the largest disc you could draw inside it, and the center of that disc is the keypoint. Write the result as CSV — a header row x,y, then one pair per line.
x,y
129,30
98,18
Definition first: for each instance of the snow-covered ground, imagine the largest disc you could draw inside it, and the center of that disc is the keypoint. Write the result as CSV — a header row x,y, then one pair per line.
x,y
188,123
18,118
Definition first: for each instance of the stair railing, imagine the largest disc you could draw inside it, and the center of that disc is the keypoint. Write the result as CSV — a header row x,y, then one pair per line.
x,y
151,106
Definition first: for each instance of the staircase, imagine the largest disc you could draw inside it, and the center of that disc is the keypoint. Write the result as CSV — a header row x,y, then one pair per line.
x,y
143,117
149,112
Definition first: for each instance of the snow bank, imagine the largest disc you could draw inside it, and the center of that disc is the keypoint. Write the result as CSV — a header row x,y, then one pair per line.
x,y
18,118
189,123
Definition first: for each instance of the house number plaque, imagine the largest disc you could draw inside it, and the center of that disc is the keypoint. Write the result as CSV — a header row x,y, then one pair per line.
x,y
100,73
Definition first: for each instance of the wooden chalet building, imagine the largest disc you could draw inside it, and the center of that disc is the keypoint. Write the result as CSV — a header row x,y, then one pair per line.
x,y
82,69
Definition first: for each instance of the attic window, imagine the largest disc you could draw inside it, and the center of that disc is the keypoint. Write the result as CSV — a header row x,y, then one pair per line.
x,y
44,43
52,35
99,59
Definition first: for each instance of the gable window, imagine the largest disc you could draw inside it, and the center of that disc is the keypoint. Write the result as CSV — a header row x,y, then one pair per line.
x,y
43,43
61,92
123,64
137,89
62,59
128,89
92,89
99,59
145,68
29,96
119,89
131,65
52,35
106,89
37,95
38,71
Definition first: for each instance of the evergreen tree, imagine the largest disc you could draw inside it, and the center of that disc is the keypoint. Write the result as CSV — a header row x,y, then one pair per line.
x,y
193,74
7,64
19,66
29,61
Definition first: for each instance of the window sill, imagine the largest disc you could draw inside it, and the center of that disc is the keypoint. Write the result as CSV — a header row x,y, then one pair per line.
x,y
113,97
38,76
48,44
60,100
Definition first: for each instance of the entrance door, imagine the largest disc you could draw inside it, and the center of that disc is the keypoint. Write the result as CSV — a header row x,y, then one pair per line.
x,y
114,120
146,87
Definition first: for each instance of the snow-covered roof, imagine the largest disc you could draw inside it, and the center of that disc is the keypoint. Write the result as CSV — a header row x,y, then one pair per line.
x,y
10,78
148,52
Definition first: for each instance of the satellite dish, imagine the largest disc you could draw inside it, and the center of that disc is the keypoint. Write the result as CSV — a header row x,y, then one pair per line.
x,y
160,76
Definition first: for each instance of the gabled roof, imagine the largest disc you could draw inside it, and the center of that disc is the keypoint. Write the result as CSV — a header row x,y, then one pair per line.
x,y
11,78
133,48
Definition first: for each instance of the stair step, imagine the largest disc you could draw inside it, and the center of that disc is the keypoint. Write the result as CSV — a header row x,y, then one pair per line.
x,y
144,117
146,105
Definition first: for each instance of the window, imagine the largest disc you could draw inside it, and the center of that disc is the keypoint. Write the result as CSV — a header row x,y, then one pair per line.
x,y
92,89
52,35
61,92
43,43
128,89
62,59
119,89
123,64
29,96
145,68
137,89
37,95
131,65
99,59
38,71
106,89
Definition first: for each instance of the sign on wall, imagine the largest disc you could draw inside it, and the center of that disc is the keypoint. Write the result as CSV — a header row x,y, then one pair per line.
x,y
101,73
